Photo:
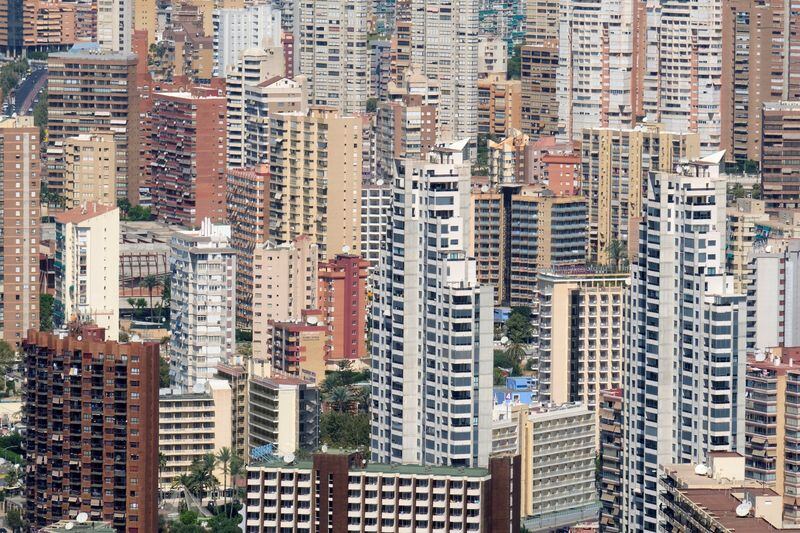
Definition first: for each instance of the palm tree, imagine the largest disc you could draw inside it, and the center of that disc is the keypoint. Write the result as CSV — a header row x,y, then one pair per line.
x,y
187,481
616,252
150,283
132,303
8,358
202,472
340,396
224,460
162,463
236,469
515,352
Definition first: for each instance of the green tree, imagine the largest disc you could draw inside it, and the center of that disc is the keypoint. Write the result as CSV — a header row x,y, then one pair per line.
x,y
14,520
616,253
163,372
46,302
516,353
372,105
756,191
737,191
514,63
141,304
340,397
8,359
518,325
40,115
150,283
344,430
202,474
237,469
12,478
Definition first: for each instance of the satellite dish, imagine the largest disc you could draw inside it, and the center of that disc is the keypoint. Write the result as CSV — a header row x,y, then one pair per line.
x,y
761,356
80,337
278,196
345,249
701,470
69,525
743,509
379,183
288,458
82,518
324,448
504,340
485,188
312,320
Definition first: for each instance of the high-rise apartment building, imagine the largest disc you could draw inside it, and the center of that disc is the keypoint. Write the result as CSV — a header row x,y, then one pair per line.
x,y
247,210
91,439
615,166
90,169
115,25
773,293
520,231
746,217
90,92
296,348
315,179
187,169
683,68
780,167
499,106
191,425
595,80
431,323
507,161
284,413
579,328
376,201
444,46
243,28
558,484
406,124
87,267
342,298
20,228
332,50
145,18
538,67
237,377
771,424
253,67
760,61
203,310
610,446
261,101
684,389
284,284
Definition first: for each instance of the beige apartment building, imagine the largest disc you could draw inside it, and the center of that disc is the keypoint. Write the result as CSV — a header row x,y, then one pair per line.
x,y
539,55
284,284
499,112
192,425
283,412
315,183
580,332
87,267
615,166
90,165
20,228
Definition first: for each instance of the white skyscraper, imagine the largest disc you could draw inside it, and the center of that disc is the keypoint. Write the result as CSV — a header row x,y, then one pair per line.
x,y
444,47
115,25
683,75
594,81
431,323
333,53
239,29
684,390
203,303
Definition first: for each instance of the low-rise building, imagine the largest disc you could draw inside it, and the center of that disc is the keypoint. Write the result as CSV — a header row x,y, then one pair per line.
x,y
298,347
346,493
716,497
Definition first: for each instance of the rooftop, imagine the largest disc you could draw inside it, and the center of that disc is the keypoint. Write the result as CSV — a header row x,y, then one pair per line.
x,y
83,213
